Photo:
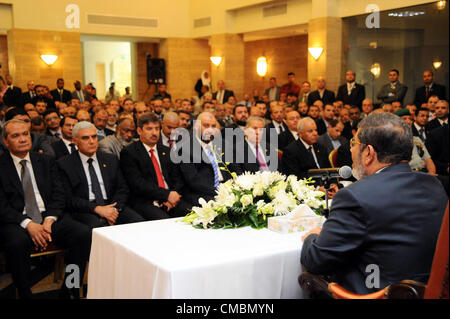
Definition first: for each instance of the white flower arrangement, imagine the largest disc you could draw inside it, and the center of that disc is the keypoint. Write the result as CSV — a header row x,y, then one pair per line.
x,y
249,199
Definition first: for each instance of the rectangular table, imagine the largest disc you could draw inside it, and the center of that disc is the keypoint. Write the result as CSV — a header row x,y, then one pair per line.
x,y
169,259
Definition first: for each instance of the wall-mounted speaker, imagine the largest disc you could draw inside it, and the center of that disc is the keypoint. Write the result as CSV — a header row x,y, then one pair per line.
x,y
156,71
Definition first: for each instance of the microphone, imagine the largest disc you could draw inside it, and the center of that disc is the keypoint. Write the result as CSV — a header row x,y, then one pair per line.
x,y
342,172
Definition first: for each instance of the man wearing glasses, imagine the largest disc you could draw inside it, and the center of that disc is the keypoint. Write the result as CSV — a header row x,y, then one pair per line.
x,y
389,219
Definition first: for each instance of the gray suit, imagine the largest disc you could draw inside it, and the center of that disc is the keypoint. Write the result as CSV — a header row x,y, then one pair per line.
x,y
399,91
277,94
112,145
325,141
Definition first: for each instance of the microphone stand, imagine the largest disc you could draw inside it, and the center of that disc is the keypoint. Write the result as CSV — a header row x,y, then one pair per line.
x,y
326,184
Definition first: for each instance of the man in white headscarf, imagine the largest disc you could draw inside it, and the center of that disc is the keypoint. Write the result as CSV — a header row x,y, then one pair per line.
x,y
204,80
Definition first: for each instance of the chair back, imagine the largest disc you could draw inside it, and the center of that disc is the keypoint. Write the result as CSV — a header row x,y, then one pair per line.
x,y
332,157
437,286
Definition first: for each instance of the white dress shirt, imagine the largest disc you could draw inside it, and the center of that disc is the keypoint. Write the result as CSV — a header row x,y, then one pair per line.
x,y
84,160
279,127
418,128
54,132
39,201
219,96
350,87
295,133
155,153
261,154
165,140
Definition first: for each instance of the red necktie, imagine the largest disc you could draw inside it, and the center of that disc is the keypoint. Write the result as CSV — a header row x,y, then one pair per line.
x,y
159,175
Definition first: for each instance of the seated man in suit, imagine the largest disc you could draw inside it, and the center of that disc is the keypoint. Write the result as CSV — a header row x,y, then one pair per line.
x,y
277,116
437,143
52,121
65,145
332,139
125,131
154,179
419,127
430,88
39,142
253,154
32,210
327,116
100,121
200,159
304,153
60,94
96,189
441,112
291,134
371,223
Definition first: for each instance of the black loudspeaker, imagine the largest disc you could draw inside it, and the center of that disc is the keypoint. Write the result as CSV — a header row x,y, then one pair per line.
x,y
156,71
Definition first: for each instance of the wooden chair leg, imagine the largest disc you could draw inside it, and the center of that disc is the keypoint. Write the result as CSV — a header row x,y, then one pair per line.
x,y
59,267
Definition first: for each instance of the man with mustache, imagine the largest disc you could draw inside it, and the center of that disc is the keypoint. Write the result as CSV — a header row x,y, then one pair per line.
x,y
379,220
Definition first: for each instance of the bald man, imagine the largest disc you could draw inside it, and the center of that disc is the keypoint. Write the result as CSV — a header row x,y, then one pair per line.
x,y
304,153
430,88
322,94
351,92
201,158
170,122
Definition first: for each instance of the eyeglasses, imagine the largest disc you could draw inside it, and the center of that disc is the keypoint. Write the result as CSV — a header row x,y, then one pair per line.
x,y
353,142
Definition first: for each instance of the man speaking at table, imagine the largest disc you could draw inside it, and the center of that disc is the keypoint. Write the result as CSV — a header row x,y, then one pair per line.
x,y
94,182
154,180
389,219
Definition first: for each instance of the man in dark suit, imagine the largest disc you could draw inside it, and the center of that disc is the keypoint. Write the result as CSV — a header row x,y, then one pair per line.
x,y
60,94
373,235
441,112
52,120
305,153
222,94
430,88
277,116
200,160
253,154
96,189
332,139
290,135
100,120
65,145
351,93
394,90
32,210
326,96
437,144
40,143
273,92
28,96
327,116
355,118
79,93
41,96
419,127
154,179
13,95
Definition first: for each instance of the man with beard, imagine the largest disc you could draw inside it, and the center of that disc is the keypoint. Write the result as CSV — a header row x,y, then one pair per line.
x,y
303,109
379,220
42,96
123,137
201,158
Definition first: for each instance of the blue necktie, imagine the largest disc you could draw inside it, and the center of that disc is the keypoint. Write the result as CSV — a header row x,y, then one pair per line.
x,y
212,159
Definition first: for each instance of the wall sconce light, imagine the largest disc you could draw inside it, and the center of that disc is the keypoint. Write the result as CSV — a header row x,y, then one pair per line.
x,y
375,69
261,66
437,64
315,52
441,4
216,60
49,59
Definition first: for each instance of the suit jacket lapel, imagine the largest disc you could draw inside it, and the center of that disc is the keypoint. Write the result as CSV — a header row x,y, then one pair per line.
x,y
104,168
147,161
163,158
10,170
79,169
39,174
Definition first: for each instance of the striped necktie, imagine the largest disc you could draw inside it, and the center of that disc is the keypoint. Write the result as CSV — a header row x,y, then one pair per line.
x,y
212,159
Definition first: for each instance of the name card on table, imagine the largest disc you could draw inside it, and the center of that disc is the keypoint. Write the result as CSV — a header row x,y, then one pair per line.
x,y
300,219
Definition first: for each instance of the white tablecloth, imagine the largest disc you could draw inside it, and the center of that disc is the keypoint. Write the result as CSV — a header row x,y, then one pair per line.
x,y
169,259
